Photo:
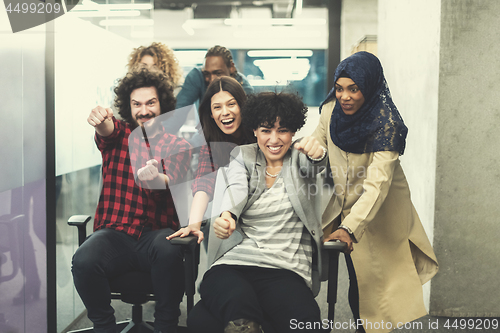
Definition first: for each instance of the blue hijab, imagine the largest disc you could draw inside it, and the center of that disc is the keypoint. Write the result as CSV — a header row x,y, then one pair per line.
x,y
377,125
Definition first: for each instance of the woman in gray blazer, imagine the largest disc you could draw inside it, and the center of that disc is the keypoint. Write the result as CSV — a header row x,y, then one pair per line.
x,y
265,264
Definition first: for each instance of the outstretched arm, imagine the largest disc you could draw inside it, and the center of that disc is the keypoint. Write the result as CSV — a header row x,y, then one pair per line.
x,y
150,175
311,147
102,120
313,158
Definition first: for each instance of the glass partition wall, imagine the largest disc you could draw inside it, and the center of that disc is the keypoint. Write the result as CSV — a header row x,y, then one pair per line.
x,y
23,282
80,85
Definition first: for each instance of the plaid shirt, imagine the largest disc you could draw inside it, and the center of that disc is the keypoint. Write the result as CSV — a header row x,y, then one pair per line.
x,y
124,205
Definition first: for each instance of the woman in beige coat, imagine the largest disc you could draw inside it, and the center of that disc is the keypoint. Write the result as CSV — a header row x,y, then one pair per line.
x,y
371,209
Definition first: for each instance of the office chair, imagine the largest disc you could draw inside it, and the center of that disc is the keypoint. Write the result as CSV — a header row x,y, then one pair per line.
x,y
330,249
136,287
9,251
9,243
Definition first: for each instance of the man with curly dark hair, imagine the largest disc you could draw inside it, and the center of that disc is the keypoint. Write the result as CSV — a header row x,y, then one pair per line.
x,y
139,79
218,62
135,212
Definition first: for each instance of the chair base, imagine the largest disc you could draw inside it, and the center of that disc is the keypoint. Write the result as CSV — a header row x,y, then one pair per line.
x,y
130,326
134,325
127,326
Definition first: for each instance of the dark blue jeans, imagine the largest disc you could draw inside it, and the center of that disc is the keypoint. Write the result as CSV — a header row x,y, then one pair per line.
x,y
108,253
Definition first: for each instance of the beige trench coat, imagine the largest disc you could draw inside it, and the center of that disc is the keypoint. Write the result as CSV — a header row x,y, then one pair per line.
x,y
392,255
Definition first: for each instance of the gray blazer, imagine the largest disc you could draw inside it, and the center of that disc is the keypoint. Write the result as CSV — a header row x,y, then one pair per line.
x,y
244,180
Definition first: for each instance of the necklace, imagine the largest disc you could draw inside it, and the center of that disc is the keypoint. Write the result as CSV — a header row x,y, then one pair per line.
x,y
272,176
275,175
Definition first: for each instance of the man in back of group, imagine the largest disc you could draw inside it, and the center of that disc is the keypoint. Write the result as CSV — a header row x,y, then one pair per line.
x,y
135,212
218,62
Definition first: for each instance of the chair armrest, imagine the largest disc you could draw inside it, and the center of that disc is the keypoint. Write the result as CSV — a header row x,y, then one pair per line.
x,y
80,221
191,250
9,243
11,218
188,240
334,246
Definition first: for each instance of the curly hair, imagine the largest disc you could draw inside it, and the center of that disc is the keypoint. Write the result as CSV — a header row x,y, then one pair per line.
x,y
265,108
224,53
164,59
141,78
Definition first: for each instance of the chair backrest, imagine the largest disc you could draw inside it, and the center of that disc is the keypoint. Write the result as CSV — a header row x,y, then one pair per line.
x,y
213,240
182,197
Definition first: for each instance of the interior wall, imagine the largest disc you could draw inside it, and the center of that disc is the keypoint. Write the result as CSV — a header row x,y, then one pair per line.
x,y
85,75
359,18
408,48
439,58
467,210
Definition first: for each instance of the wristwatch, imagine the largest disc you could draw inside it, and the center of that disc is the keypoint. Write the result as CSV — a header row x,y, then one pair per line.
x,y
346,228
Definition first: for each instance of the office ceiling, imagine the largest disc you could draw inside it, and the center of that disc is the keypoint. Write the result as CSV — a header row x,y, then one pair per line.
x,y
202,23
223,8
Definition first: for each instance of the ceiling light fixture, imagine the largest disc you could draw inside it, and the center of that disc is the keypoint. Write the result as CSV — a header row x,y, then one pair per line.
x,y
89,5
274,21
106,13
125,22
279,53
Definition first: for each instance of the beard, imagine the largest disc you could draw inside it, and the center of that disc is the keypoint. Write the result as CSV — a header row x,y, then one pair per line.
x,y
134,123
153,125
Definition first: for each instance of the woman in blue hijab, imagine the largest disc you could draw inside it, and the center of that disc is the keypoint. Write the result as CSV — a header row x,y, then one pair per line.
x,y
389,255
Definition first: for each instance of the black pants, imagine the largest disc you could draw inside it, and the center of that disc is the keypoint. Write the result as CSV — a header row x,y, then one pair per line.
x,y
278,299
353,290
108,253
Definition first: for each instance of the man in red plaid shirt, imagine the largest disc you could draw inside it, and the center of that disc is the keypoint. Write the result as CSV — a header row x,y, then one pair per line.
x,y
135,212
